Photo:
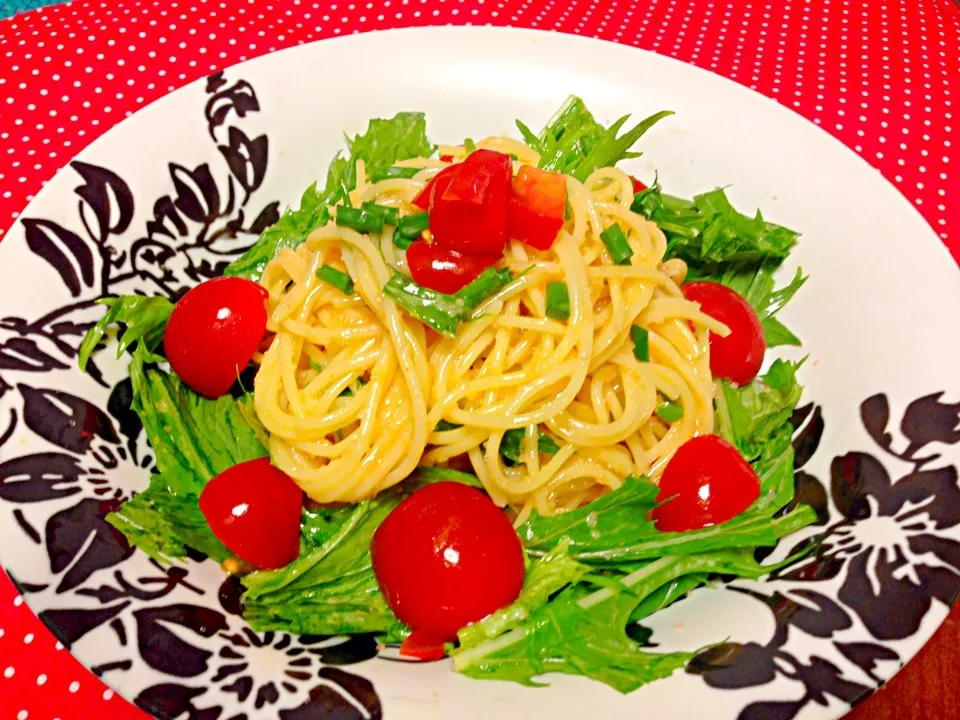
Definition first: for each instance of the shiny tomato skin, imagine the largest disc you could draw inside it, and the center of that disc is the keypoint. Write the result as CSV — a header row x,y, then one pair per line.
x,y
706,482
537,208
254,509
738,356
446,557
444,270
423,645
637,185
438,182
213,332
470,215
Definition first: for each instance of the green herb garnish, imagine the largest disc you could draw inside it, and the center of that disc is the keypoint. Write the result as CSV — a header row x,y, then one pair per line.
x,y
558,301
337,278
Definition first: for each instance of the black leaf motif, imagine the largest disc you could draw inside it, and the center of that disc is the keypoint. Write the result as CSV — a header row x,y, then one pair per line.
x,y
39,477
875,415
822,620
101,670
69,625
355,649
170,700
9,430
806,442
120,405
853,478
239,98
79,538
197,194
359,688
731,666
928,420
25,355
64,250
109,198
324,703
231,595
772,710
163,650
247,159
267,217
163,211
242,687
266,695
934,493
64,419
215,82
866,656
29,530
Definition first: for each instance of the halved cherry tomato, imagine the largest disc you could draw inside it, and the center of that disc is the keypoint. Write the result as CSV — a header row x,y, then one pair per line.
x,y
538,204
254,509
445,557
470,215
738,356
213,332
423,645
637,185
440,181
444,270
706,482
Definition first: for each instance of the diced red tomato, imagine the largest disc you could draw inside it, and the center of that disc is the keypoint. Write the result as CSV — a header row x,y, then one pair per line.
x,y
470,215
423,645
706,482
439,181
446,158
254,509
446,557
738,356
444,270
213,332
538,203
637,185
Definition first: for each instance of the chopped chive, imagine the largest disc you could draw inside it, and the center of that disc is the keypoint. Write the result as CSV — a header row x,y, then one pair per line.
x,y
348,391
315,365
444,426
394,172
617,244
440,311
337,278
400,242
390,214
513,156
670,411
410,228
510,446
641,343
469,145
488,283
558,301
360,220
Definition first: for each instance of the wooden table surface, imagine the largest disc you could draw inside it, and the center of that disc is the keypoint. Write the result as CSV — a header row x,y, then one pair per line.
x,y
928,688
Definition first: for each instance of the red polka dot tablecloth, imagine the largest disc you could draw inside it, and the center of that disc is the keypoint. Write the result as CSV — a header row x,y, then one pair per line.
x,y
880,75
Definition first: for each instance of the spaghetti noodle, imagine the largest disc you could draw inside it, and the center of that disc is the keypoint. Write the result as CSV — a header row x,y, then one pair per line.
x,y
356,393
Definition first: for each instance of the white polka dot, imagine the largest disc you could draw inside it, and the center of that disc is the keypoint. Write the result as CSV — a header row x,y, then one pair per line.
x,y
74,686
41,679
8,673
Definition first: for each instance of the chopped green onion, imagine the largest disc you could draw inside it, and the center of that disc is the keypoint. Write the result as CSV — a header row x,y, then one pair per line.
x,y
510,446
315,365
617,244
360,220
394,172
670,411
558,301
440,311
641,343
391,215
488,283
348,392
513,156
409,228
444,426
469,145
337,278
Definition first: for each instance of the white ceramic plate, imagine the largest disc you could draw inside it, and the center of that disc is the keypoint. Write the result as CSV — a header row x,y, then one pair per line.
x,y
137,211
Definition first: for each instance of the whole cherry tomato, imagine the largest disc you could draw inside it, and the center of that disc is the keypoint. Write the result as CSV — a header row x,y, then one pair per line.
x,y
538,204
254,509
706,482
444,270
213,332
424,645
738,356
446,557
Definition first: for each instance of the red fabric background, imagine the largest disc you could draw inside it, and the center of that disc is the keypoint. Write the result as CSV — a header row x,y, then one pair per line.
x,y
880,75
